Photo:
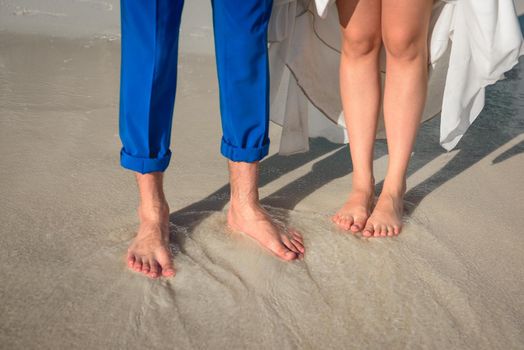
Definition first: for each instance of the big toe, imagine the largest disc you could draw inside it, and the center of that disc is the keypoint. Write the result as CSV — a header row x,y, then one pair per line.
x,y
358,225
368,231
283,252
165,261
289,255
168,270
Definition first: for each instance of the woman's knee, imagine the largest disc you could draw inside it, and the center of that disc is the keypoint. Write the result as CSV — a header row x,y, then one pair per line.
x,y
356,44
405,44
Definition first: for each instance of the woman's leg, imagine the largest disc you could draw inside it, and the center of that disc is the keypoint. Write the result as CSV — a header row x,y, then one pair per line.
x,y
360,92
404,32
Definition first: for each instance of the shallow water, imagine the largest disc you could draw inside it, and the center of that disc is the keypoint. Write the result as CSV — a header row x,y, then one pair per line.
x,y
411,292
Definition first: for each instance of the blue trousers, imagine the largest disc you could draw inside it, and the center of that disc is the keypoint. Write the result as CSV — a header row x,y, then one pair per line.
x,y
150,31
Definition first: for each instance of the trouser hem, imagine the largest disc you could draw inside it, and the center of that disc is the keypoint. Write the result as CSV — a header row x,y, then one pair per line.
x,y
144,165
248,155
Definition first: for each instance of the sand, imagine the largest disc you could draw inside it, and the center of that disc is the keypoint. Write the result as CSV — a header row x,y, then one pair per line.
x,y
453,279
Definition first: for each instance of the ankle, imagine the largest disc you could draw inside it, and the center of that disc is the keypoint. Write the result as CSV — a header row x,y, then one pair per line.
x,y
243,184
363,182
395,189
157,211
243,204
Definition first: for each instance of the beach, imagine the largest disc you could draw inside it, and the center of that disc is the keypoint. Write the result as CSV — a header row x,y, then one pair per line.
x,y
453,278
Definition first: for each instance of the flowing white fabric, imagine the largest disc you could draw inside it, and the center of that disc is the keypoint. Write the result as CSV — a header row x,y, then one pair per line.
x,y
471,44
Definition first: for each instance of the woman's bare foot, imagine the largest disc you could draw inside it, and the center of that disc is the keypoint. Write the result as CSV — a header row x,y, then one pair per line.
x,y
386,218
254,221
355,211
149,253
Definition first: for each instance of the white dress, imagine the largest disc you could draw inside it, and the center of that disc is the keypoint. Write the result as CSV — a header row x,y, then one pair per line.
x,y
471,44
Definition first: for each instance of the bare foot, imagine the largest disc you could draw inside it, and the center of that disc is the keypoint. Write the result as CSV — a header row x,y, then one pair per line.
x,y
354,213
386,219
254,221
149,253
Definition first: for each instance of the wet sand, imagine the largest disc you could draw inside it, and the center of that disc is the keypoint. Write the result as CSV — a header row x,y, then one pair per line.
x,y
453,279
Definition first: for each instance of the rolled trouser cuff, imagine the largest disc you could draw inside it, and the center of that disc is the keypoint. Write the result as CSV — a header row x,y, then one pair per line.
x,y
248,155
144,165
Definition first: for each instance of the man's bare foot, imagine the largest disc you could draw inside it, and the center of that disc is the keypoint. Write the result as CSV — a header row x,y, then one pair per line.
x,y
354,213
386,218
149,253
254,221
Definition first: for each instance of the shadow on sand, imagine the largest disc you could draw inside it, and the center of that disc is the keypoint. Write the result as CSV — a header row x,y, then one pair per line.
x,y
500,122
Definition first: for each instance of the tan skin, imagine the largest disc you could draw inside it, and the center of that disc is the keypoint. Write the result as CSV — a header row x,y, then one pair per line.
x,y
149,252
402,26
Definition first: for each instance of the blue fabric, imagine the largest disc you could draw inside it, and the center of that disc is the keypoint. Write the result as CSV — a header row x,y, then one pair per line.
x,y
150,31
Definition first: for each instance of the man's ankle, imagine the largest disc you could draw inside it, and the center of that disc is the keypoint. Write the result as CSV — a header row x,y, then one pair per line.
x,y
241,204
153,211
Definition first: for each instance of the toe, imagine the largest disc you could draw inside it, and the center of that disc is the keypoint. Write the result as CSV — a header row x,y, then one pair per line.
x,y
390,231
298,245
358,224
298,237
168,271
345,222
349,222
383,230
283,252
145,266
376,230
137,266
154,269
288,244
163,257
130,260
166,263
289,255
368,231
396,230
342,221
